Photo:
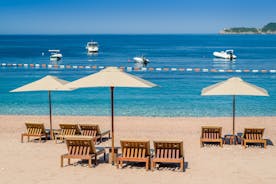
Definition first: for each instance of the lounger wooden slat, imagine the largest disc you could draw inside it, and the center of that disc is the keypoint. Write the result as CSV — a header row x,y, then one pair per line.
x,y
67,130
253,135
94,131
81,148
211,134
134,151
168,152
34,130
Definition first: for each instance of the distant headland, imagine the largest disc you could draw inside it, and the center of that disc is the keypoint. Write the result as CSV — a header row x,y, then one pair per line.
x,y
269,28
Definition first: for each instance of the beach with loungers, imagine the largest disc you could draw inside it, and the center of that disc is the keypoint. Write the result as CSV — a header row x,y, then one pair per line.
x,y
39,162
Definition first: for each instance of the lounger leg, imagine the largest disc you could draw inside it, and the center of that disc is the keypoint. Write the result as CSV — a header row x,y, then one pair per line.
x,y
90,162
40,139
69,161
28,138
147,165
22,138
121,163
96,160
152,165
104,156
265,144
182,165
61,161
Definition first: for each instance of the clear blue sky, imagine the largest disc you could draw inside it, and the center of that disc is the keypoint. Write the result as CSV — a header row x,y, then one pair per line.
x,y
131,16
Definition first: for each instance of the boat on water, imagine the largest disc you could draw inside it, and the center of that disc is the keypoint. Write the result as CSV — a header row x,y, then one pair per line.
x,y
141,59
55,55
227,54
92,47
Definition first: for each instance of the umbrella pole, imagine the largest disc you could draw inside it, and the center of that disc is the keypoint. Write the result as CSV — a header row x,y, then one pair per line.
x,y
112,121
50,109
234,110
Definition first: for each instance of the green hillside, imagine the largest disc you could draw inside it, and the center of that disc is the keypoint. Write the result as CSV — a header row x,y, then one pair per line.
x,y
271,27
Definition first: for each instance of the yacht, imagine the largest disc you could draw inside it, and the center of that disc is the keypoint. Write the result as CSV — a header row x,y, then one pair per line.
x,y
228,54
55,55
141,59
92,47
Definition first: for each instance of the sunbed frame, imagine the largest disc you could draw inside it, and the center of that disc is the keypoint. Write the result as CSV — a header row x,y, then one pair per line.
x,y
94,131
253,135
134,151
81,148
67,130
211,134
168,152
35,130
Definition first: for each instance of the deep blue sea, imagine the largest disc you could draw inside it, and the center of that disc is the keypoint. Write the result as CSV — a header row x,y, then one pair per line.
x,y
178,93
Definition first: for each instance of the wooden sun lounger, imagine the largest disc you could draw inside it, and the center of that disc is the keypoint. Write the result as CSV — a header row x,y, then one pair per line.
x,y
253,135
211,134
67,130
94,131
168,152
81,148
34,130
134,151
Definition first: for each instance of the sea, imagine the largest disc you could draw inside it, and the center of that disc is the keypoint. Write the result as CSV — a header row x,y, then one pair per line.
x,y
181,66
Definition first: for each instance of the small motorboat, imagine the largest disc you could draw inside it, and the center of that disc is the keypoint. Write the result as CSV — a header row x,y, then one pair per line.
x,y
55,55
92,47
141,59
228,54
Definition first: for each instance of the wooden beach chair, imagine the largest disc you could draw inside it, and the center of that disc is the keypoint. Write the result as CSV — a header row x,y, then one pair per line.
x,y
81,148
67,130
211,134
253,135
94,131
134,151
35,130
168,152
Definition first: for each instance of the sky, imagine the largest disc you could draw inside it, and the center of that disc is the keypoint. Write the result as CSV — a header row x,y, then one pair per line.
x,y
132,16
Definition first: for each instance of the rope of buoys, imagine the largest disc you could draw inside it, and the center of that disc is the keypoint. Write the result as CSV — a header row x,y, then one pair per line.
x,y
130,69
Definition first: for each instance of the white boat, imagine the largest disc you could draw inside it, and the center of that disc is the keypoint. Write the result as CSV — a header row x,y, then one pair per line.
x,y
55,55
141,60
228,54
92,47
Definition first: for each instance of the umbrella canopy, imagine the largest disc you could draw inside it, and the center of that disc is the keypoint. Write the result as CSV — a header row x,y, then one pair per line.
x,y
234,86
111,77
108,77
48,83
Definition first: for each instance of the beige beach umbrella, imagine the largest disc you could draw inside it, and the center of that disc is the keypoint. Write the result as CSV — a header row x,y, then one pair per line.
x,y
48,83
234,86
111,77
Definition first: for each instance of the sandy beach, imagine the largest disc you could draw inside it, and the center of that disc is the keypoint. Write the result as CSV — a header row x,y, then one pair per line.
x,y
35,162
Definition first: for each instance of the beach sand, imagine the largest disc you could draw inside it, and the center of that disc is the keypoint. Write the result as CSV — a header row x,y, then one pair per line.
x,y
39,163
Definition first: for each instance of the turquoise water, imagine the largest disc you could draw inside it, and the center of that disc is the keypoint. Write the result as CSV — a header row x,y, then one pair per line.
x,y
178,93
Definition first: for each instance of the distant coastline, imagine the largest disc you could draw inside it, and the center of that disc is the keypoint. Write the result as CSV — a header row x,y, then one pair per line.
x,y
269,28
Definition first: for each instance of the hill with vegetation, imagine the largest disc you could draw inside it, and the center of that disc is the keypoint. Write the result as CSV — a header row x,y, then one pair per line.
x,y
269,28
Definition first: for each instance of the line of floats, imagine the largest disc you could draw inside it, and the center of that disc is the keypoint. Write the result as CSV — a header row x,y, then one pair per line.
x,y
130,69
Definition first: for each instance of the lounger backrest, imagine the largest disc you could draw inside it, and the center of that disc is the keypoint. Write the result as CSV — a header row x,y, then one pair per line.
x,y
135,149
35,128
211,132
80,146
90,129
168,149
69,129
253,133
